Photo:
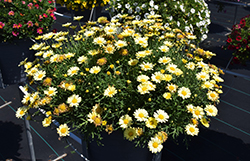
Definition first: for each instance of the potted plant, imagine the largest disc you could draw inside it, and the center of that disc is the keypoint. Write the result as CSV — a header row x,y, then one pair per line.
x,y
239,41
87,8
138,78
191,16
20,21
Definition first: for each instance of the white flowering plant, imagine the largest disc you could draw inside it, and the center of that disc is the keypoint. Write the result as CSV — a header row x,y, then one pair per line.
x,y
140,77
190,16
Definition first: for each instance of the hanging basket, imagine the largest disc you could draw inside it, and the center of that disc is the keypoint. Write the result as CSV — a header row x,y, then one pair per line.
x,y
117,148
11,55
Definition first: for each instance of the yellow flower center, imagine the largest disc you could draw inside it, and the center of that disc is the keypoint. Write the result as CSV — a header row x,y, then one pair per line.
x,y
96,71
73,71
165,61
146,66
161,116
21,112
66,85
140,41
63,130
197,112
191,129
50,92
202,76
144,88
184,93
141,115
40,75
97,120
111,92
99,41
130,133
74,100
158,77
110,30
125,121
211,110
172,68
143,80
120,44
109,49
171,88
155,145
212,95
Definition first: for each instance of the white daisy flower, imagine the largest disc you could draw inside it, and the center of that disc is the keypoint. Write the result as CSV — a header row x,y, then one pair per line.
x,y
172,87
110,91
82,59
99,41
120,44
143,41
202,76
125,121
191,129
198,112
74,100
184,92
63,130
141,115
142,78
26,98
143,88
207,85
39,75
69,55
110,30
46,122
161,116
72,71
48,53
164,48
190,108
89,33
54,58
190,65
95,70
211,110
21,111
212,95
51,91
110,49
171,68
157,77
164,60
155,145
140,54
32,71
93,52
146,66
92,116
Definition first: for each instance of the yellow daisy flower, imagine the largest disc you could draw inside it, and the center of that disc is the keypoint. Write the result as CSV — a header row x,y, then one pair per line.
x,y
63,130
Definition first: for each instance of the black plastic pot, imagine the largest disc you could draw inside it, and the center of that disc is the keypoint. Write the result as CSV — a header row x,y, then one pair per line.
x,y
11,54
117,148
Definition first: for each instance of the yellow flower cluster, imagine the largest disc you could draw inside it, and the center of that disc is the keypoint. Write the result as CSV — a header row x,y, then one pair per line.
x,y
141,77
83,4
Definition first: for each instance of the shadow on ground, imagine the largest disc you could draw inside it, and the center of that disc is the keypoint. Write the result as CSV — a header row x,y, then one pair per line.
x,y
10,140
208,146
